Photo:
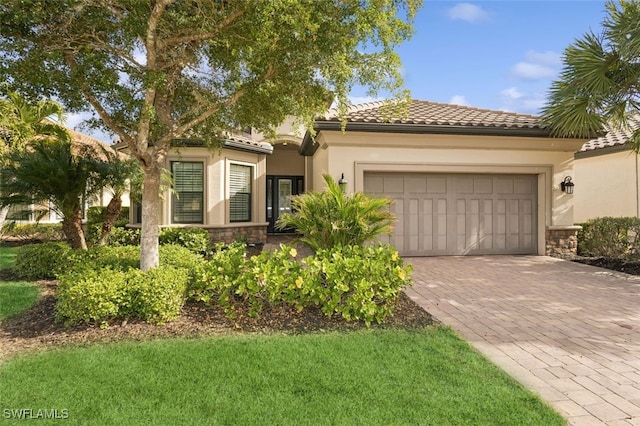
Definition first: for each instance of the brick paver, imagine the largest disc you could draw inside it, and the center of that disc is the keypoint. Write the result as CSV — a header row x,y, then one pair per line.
x,y
567,331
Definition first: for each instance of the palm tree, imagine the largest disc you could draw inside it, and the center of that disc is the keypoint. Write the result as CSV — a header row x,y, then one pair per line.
x,y
22,122
56,172
599,85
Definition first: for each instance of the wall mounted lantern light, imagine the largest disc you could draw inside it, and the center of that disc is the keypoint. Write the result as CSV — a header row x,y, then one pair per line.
x,y
566,185
343,183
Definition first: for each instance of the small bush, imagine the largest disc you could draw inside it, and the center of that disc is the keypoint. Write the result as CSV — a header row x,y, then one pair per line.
x,y
92,295
197,240
33,231
219,273
359,283
42,261
124,237
610,237
158,295
88,295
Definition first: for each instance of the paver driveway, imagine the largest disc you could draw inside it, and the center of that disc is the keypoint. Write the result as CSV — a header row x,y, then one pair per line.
x,y
567,331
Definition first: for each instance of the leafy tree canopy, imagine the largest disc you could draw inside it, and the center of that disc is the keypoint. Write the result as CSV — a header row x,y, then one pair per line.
x,y
599,85
156,70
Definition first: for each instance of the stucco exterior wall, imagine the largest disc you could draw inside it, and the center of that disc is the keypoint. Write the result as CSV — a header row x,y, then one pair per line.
x,y
216,186
285,161
606,185
354,153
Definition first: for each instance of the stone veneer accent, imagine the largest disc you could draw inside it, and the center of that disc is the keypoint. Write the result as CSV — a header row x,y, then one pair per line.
x,y
228,234
562,241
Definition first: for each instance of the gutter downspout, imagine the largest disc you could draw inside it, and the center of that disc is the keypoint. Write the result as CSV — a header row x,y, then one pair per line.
x,y
637,189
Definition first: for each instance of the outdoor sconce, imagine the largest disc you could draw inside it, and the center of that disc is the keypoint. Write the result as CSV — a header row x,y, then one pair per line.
x,y
343,183
566,185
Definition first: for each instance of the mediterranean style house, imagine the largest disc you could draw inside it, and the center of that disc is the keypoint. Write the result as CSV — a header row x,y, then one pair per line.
x,y
463,180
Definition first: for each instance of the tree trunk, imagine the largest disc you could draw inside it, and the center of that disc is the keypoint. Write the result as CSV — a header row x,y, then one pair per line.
x,y
4,211
111,215
149,244
72,228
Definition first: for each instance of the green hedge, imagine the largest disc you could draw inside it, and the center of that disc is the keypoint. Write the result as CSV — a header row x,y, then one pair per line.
x,y
611,237
87,295
33,231
41,261
358,283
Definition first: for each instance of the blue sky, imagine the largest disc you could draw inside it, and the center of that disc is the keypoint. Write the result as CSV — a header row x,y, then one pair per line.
x,y
492,54
487,54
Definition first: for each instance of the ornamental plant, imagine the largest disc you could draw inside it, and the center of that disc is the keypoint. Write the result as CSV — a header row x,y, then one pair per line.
x,y
332,218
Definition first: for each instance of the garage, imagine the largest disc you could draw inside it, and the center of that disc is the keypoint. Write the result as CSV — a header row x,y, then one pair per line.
x,y
459,214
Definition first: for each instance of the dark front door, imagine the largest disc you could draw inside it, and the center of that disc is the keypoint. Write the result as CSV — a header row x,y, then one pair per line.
x,y
280,189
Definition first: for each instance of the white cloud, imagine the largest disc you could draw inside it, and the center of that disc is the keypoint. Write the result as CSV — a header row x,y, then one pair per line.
x,y
512,93
515,100
538,65
357,100
467,12
531,71
549,57
459,100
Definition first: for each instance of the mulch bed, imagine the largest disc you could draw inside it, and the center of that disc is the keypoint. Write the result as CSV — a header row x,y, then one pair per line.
x,y
627,266
36,328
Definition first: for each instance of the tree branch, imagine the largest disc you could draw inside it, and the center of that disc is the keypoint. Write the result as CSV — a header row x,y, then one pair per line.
x,y
95,103
204,36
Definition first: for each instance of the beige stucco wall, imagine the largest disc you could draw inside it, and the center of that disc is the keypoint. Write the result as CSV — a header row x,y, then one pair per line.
x,y
216,188
354,153
606,185
285,161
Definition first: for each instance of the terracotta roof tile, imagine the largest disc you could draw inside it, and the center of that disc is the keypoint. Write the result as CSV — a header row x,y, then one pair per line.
x,y
614,137
437,114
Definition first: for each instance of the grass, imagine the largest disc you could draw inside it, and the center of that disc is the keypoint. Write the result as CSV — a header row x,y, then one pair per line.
x,y
7,257
15,296
424,376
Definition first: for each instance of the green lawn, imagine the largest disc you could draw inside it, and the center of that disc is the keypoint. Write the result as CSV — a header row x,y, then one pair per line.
x,y
392,376
7,257
15,296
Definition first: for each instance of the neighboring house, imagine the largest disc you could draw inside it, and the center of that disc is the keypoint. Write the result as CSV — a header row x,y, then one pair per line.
x,y
607,176
463,180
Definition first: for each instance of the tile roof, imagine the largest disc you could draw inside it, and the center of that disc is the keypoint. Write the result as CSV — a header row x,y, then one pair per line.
x,y
437,114
242,142
614,137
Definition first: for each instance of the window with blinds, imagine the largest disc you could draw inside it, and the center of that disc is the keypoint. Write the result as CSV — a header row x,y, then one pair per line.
x,y
188,197
240,178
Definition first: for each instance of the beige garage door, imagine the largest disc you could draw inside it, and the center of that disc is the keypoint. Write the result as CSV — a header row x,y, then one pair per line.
x,y
459,214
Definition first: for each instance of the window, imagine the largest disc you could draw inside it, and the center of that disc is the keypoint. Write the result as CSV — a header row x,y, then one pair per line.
x,y
240,178
188,197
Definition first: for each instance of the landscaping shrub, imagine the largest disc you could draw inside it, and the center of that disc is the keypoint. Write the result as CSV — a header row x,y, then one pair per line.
x,y
33,231
158,295
197,240
41,261
611,237
92,295
124,237
99,295
359,283
220,274
332,218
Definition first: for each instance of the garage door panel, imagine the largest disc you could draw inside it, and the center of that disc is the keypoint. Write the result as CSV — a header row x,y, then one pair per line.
x,y
441,214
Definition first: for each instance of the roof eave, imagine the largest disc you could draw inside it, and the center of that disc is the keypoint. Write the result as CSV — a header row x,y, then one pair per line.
x,y
603,151
308,148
